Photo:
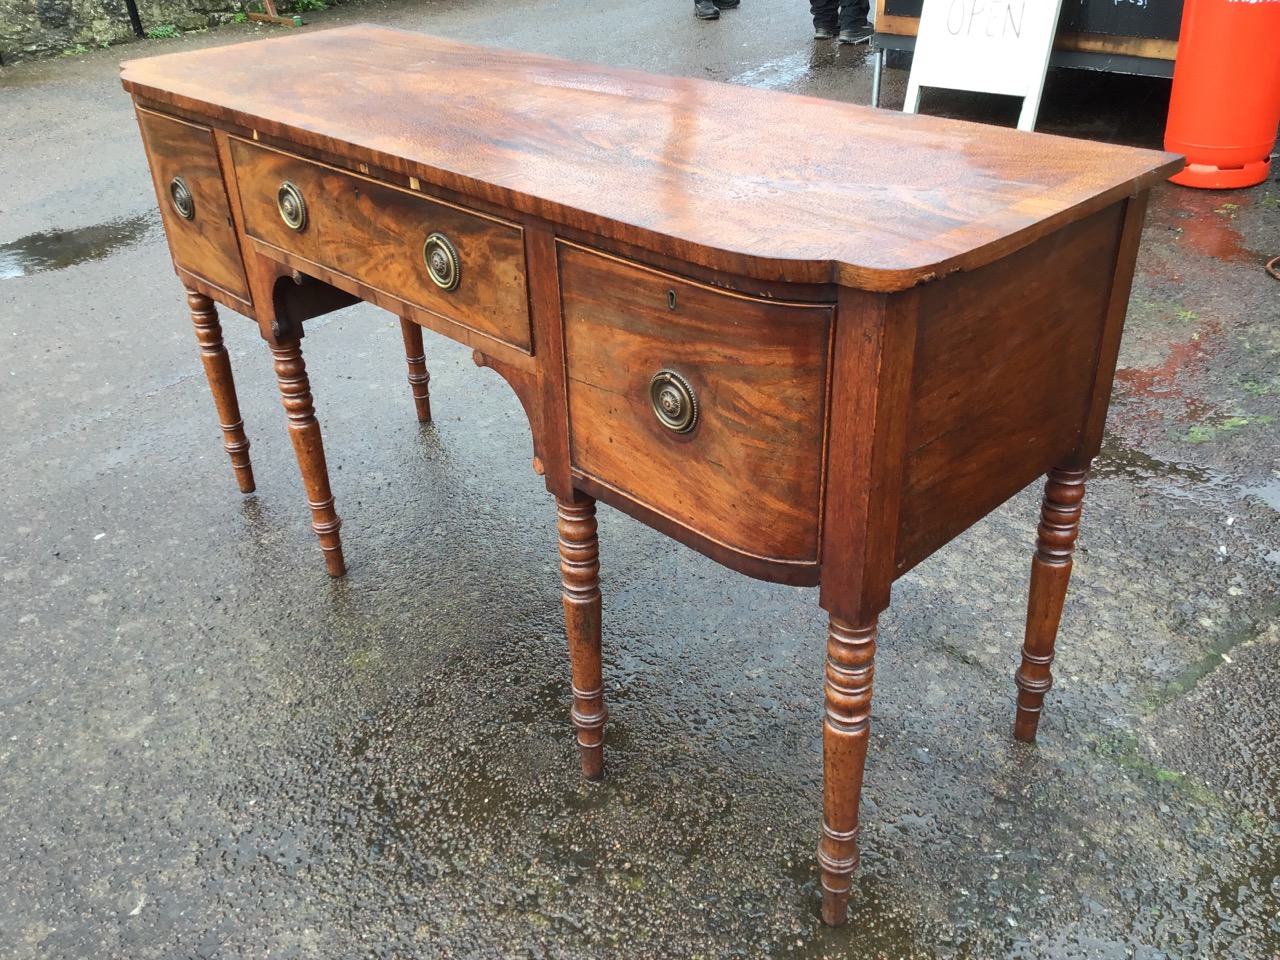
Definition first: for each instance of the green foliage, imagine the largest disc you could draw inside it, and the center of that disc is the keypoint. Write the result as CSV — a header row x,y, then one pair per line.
x,y
304,6
1123,750
75,51
1208,432
165,31
241,17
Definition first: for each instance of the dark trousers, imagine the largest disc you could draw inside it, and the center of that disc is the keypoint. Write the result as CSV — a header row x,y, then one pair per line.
x,y
827,13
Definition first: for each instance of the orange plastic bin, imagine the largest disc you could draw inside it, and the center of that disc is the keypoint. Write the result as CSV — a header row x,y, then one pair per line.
x,y
1225,104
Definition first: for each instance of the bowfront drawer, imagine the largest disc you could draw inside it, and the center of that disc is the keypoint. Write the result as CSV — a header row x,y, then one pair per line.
x,y
193,201
461,265
705,406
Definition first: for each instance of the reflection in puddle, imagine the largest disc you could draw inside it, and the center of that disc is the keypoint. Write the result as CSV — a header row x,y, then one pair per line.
x,y
1268,493
780,74
1198,484
56,249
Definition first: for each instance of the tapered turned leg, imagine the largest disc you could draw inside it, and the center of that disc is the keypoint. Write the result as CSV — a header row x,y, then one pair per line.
x,y
308,447
217,368
580,571
418,375
851,652
1050,571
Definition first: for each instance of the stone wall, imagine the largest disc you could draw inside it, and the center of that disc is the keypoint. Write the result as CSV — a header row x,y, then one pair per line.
x,y
48,28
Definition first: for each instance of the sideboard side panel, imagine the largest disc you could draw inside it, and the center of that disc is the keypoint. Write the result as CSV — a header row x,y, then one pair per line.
x,y
1135,210
1004,378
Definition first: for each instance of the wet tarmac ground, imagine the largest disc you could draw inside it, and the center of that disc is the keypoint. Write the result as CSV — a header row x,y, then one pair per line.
x,y
210,749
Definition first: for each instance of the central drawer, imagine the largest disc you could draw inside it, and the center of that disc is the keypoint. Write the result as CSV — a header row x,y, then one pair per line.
x,y
390,239
747,471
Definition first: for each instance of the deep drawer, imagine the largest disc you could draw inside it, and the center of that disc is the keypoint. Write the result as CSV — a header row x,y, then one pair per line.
x,y
201,236
748,473
375,234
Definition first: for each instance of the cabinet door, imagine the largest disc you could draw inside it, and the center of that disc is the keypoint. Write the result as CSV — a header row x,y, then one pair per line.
x,y
193,201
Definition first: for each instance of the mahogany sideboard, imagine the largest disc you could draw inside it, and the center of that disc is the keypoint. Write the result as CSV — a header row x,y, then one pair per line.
x,y
813,341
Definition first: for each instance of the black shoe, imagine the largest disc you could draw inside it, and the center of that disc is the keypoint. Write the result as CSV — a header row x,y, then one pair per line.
x,y
860,34
705,10
726,4
827,32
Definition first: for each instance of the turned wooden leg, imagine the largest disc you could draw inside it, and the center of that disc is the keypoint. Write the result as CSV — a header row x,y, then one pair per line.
x,y
1050,571
418,375
308,447
851,652
580,571
217,368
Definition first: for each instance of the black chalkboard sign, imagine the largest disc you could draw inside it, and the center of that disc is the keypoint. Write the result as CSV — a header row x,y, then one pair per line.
x,y
1155,19
903,8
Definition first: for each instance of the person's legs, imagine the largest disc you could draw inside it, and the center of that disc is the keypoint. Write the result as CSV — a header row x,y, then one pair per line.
x,y
854,25
855,14
825,18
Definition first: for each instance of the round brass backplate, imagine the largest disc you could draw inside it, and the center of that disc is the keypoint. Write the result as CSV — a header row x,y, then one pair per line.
x,y
441,258
183,202
293,209
673,400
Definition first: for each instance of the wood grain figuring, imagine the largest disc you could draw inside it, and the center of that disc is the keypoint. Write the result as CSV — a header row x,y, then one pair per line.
x,y
846,729
217,369
374,234
580,572
308,447
1050,573
749,475
835,191
206,245
419,377
1003,379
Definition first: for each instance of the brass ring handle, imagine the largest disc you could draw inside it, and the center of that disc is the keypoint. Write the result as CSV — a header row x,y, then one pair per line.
x,y
441,258
293,209
673,400
183,202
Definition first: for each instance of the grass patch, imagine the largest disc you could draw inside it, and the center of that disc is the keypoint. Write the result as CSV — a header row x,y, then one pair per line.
x,y
1208,432
1122,750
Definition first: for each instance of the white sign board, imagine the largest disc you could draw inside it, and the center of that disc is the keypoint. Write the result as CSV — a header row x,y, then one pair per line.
x,y
988,46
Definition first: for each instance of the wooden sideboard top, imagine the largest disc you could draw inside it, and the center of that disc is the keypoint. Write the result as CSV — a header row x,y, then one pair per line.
x,y
733,178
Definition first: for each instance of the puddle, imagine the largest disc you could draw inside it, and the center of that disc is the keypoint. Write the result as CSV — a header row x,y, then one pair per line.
x,y
1198,484
780,74
56,249
1268,493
